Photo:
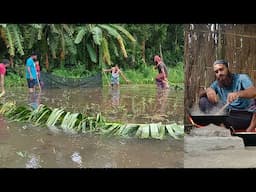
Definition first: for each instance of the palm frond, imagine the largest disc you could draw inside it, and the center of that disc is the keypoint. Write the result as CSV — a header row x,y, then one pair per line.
x,y
4,36
97,35
92,53
124,31
10,45
110,30
68,29
18,39
80,35
121,44
3,25
54,116
70,46
106,55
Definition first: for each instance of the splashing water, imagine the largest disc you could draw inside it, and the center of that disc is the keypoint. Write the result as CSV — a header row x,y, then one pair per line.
x,y
77,158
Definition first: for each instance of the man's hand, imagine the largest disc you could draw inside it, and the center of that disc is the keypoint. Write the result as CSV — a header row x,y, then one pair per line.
x,y
211,95
232,96
202,92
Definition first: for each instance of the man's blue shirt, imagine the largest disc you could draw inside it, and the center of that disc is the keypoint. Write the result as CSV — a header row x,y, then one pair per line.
x,y
240,82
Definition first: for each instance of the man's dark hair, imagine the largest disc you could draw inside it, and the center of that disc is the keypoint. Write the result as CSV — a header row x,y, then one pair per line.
x,y
33,53
5,61
221,61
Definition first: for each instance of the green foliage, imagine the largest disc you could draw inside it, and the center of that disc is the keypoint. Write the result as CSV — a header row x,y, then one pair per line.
x,y
94,45
13,39
14,80
97,35
92,53
80,35
176,74
146,75
54,117
40,115
167,39
10,42
77,71
18,39
69,43
106,55
123,30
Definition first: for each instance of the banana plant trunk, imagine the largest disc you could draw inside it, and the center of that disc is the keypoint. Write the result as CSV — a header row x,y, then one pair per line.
x,y
143,45
11,61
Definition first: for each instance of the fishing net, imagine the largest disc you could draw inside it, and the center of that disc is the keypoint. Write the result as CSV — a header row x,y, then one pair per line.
x,y
49,80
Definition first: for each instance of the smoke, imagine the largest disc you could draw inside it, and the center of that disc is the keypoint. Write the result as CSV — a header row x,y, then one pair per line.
x,y
215,110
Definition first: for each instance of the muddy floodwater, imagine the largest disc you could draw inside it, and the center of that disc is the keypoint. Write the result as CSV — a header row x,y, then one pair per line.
x,y
23,145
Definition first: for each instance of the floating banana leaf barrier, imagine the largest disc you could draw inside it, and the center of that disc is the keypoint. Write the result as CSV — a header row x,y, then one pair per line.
x,y
80,123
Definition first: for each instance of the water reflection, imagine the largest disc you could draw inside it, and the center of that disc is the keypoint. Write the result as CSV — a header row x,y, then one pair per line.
x,y
4,129
34,100
128,104
161,101
38,147
143,104
115,97
33,161
77,158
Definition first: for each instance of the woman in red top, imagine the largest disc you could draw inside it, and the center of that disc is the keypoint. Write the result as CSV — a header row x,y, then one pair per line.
x,y
162,77
38,69
5,63
38,74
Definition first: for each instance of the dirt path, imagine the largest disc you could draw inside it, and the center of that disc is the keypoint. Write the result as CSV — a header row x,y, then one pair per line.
x,y
214,147
240,158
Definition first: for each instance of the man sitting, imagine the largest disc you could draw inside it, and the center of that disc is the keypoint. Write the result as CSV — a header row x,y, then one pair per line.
x,y
235,89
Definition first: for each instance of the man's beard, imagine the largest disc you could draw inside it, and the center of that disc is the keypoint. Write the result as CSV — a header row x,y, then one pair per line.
x,y
225,81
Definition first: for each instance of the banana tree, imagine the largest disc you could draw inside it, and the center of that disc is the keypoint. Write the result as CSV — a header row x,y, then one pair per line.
x,y
50,40
99,39
56,39
13,39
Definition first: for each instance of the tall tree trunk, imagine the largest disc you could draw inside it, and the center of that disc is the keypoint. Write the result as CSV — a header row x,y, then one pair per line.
x,y
143,44
161,54
133,53
176,38
62,58
46,62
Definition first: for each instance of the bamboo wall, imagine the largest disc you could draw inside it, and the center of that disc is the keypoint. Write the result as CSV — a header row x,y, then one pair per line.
x,y
204,43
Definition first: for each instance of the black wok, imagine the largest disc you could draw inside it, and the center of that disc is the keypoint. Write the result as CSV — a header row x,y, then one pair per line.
x,y
203,120
238,120
248,137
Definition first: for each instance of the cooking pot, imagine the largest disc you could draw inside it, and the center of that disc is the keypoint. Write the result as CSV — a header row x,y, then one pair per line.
x,y
248,137
203,120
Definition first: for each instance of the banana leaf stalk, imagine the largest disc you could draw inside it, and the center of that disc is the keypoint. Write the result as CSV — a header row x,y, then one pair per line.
x,y
81,123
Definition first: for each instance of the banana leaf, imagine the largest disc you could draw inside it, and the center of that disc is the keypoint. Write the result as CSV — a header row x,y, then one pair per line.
x,y
54,116
145,131
154,132
130,130
171,132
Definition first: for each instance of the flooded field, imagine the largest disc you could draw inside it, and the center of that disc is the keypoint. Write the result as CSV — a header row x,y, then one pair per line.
x,y
24,145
